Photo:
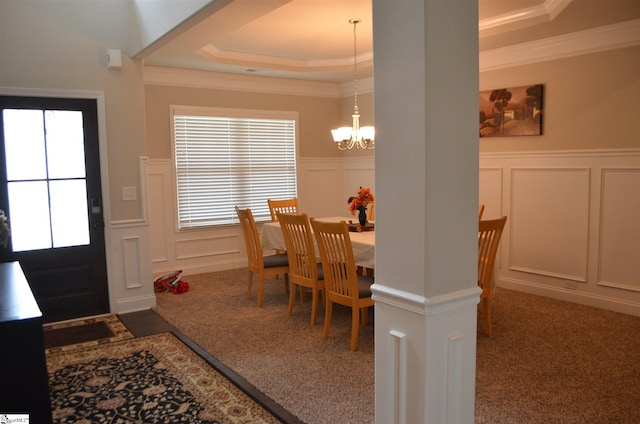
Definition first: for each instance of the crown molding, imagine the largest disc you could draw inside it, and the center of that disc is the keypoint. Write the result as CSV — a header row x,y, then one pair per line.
x,y
216,55
522,18
609,37
222,81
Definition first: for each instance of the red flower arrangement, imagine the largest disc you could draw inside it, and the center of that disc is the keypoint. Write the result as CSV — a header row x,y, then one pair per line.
x,y
361,201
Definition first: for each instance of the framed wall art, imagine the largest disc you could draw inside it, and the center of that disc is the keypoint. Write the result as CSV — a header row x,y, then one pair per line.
x,y
511,112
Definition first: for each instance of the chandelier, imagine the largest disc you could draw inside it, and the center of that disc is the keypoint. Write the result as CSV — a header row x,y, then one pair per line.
x,y
354,136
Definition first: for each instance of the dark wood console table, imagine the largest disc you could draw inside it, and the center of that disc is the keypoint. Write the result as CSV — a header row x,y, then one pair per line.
x,y
23,365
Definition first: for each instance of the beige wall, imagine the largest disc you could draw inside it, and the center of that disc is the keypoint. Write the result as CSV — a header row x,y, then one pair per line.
x,y
590,102
61,45
317,115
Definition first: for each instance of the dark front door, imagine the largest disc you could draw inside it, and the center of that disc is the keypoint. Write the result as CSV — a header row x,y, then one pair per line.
x,y
51,195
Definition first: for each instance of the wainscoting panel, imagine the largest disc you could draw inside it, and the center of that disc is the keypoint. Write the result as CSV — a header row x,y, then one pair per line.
x,y
132,262
573,231
357,173
131,281
207,247
620,229
317,182
159,186
490,192
550,216
397,368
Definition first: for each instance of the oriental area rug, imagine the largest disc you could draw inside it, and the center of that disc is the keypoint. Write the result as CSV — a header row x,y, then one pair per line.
x,y
153,379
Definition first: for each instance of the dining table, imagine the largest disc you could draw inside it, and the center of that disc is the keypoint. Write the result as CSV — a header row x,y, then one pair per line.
x,y
363,243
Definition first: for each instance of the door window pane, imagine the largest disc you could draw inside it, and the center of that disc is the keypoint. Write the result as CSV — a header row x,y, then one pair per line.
x,y
69,221
65,144
29,215
24,144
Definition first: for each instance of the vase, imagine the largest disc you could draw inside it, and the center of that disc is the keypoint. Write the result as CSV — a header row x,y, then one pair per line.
x,y
362,217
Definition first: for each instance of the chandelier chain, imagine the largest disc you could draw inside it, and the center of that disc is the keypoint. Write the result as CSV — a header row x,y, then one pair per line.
x,y
355,67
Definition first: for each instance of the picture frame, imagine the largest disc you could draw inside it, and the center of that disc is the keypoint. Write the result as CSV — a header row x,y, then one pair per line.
x,y
511,112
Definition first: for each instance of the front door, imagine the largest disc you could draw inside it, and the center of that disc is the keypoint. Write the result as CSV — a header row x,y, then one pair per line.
x,y
51,196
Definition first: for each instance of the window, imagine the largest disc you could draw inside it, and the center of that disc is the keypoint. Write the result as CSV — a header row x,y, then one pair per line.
x,y
46,178
227,157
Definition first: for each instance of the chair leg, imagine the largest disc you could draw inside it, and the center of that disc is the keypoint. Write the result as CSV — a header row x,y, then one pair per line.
x,y
260,290
355,327
486,304
292,298
314,305
250,284
303,296
364,315
327,319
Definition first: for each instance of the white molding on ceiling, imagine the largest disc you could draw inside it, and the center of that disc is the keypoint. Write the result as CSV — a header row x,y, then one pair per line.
x,y
216,55
625,34
609,37
234,82
544,12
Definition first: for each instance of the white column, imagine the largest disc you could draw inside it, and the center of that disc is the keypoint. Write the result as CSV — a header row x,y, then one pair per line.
x,y
426,173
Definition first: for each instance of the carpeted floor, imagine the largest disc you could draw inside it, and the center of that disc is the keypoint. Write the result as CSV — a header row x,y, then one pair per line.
x,y
318,380
548,362
153,379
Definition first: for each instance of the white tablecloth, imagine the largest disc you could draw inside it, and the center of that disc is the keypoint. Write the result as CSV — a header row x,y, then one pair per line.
x,y
363,243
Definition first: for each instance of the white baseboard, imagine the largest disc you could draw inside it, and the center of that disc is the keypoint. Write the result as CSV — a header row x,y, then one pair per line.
x,y
135,304
568,295
204,267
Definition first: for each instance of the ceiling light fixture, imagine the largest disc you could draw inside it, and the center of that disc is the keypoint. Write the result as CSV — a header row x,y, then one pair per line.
x,y
354,136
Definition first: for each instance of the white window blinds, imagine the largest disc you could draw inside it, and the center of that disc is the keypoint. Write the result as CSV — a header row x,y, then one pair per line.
x,y
224,161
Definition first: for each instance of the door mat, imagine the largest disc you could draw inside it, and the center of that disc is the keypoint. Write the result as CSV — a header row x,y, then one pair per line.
x,y
84,332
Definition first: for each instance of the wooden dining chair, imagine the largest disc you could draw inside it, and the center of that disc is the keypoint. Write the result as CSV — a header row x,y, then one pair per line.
x,y
489,234
342,283
480,211
304,268
371,213
282,206
259,264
